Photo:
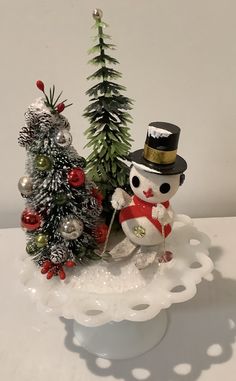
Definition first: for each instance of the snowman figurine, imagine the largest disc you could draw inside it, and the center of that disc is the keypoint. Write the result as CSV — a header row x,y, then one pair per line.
x,y
155,176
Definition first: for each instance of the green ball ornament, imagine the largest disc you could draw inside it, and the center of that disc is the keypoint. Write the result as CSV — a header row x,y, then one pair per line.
x,y
43,163
41,240
60,198
31,248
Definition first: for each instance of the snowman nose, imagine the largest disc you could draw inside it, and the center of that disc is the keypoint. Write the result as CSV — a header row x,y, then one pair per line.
x,y
148,193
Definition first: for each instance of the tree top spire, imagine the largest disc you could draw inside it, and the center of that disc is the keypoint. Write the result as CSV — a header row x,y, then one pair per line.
x,y
97,14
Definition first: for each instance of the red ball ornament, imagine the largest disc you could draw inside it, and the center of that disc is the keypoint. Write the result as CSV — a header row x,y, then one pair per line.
x,y
101,233
30,220
40,85
76,177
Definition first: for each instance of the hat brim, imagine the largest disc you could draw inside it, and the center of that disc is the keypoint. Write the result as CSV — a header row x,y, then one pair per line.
x,y
179,166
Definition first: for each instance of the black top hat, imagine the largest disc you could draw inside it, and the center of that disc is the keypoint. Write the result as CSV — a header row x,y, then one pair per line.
x,y
160,150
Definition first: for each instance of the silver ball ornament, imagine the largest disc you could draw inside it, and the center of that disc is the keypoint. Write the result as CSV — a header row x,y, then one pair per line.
x,y
25,185
97,14
63,138
71,228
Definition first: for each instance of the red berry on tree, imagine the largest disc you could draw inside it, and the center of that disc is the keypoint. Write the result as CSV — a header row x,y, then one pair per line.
x,y
40,85
50,274
47,265
101,233
76,177
61,274
60,107
70,264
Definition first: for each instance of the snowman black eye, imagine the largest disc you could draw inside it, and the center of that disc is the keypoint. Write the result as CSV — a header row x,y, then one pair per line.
x,y
164,188
135,181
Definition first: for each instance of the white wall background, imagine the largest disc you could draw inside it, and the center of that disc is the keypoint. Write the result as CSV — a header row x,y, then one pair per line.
x,y
178,59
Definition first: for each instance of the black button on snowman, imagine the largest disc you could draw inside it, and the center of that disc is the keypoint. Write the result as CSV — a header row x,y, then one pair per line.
x,y
155,176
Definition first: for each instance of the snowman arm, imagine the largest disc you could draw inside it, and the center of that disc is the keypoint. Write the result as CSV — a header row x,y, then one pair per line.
x,y
120,199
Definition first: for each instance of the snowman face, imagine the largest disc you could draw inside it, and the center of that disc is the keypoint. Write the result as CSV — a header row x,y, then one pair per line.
x,y
152,187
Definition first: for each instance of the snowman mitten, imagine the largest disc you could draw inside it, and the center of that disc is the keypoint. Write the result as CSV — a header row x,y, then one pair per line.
x,y
160,213
120,199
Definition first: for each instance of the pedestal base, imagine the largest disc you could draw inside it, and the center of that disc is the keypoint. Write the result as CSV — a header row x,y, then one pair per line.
x,y
122,340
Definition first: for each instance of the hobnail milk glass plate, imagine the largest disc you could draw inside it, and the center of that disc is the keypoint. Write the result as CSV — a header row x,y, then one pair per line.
x,y
103,292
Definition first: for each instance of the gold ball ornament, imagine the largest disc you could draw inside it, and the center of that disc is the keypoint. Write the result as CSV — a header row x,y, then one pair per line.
x,y
71,228
97,14
43,163
41,240
25,185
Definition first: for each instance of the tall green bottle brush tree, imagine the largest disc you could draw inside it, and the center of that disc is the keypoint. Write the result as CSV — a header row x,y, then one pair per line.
x,y
108,133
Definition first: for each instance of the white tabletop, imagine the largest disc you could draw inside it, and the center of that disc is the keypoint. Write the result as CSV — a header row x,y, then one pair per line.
x,y
199,344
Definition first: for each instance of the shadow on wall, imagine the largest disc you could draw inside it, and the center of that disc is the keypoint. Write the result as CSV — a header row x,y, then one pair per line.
x,y
200,334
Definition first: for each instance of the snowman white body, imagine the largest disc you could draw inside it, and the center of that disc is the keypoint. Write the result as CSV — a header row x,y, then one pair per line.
x,y
141,231
150,188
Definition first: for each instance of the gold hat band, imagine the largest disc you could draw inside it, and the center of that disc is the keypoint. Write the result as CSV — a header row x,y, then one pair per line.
x,y
159,157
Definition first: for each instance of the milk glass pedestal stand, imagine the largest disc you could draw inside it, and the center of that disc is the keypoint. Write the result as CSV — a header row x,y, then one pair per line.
x,y
119,311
